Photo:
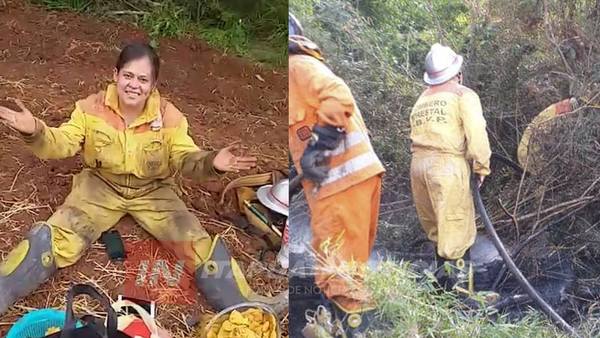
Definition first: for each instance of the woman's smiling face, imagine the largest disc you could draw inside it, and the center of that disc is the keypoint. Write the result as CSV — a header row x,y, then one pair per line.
x,y
135,82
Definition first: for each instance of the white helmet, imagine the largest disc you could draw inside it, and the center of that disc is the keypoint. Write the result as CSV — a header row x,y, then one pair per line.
x,y
276,197
441,64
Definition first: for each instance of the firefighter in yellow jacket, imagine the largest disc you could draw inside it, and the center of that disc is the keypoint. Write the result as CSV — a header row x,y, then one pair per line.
x,y
342,174
449,141
133,141
528,153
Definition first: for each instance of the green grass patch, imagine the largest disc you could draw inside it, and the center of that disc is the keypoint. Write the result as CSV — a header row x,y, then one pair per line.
x,y
167,20
75,5
410,307
256,30
235,38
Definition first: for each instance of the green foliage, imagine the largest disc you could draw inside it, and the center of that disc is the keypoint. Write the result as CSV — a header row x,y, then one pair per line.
x,y
74,5
235,37
255,29
409,306
411,26
240,26
520,57
379,47
166,20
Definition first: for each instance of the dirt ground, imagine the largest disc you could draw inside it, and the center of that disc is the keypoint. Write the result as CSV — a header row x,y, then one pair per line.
x,y
51,59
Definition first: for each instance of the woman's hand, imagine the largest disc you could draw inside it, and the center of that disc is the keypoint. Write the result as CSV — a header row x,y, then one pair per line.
x,y
227,161
22,121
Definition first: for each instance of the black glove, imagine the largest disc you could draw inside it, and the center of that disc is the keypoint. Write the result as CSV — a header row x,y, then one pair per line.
x,y
314,163
326,138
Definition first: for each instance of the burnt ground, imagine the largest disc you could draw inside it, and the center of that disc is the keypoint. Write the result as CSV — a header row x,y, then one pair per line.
x,y
556,274
49,60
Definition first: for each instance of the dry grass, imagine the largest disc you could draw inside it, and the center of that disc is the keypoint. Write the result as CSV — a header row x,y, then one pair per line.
x,y
19,84
50,98
110,277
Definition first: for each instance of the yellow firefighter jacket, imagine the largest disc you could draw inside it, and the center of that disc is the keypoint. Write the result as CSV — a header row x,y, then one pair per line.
x,y
448,119
528,153
319,96
133,159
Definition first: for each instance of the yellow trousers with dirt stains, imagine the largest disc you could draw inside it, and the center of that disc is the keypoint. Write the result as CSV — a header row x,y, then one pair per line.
x,y
93,207
344,226
442,194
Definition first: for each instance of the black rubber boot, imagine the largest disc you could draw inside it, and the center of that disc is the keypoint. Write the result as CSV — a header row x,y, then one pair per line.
x,y
451,273
27,266
442,271
223,283
487,263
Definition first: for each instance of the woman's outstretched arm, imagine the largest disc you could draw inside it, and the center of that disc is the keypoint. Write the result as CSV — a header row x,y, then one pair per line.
x,y
47,142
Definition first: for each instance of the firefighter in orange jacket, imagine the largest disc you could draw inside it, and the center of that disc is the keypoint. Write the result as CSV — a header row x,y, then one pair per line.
x,y
342,174
133,141
449,141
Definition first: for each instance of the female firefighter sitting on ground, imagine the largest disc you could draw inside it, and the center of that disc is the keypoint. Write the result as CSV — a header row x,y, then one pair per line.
x,y
133,143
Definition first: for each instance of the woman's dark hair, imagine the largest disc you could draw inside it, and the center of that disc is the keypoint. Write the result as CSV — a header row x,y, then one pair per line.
x,y
138,50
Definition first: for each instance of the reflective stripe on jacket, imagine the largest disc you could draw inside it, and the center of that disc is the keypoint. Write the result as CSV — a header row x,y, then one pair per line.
x,y
319,96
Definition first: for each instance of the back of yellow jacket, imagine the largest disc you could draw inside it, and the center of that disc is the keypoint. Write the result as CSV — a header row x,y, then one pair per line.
x,y
317,96
448,119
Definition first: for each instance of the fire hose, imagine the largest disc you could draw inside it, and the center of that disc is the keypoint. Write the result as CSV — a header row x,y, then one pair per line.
x,y
523,282
514,269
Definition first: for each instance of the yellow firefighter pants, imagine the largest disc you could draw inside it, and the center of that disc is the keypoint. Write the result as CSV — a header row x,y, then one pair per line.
x,y
441,191
93,207
344,226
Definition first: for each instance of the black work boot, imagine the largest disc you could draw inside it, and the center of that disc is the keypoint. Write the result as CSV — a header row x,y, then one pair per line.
x,y
453,273
487,262
27,266
443,272
223,283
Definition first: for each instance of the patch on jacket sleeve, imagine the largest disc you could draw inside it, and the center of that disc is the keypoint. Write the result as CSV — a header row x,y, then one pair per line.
x,y
304,133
